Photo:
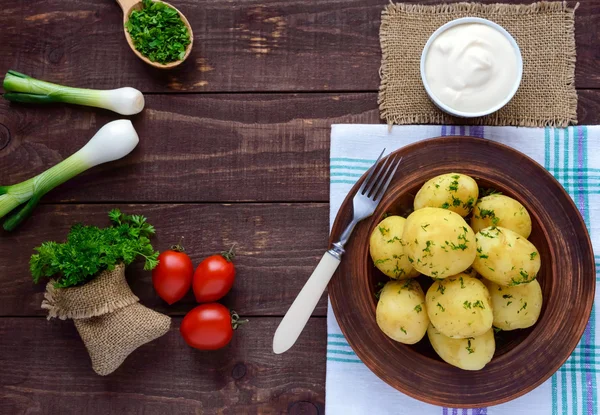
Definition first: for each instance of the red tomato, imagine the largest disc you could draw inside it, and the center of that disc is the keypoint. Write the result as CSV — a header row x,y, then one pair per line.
x,y
214,277
172,277
207,327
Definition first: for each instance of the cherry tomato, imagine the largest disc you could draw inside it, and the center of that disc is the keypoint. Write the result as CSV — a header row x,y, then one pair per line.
x,y
209,326
214,277
172,277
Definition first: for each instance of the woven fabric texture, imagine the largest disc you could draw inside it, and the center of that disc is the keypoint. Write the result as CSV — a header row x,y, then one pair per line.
x,y
545,34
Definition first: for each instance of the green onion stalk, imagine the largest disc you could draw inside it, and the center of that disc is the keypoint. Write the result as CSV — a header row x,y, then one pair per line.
x,y
112,142
22,88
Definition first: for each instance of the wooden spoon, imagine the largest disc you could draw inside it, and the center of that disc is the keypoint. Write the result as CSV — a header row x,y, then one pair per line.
x,y
130,5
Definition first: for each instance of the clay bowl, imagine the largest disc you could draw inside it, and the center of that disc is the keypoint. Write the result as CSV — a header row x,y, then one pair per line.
x,y
524,359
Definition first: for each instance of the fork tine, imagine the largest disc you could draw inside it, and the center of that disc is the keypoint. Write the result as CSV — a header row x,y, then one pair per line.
x,y
373,183
377,197
375,180
379,182
371,170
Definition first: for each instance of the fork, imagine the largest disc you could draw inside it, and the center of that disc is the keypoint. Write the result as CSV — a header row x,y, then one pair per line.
x,y
364,203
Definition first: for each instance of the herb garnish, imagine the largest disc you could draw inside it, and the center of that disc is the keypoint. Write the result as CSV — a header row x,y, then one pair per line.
x,y
418,308
158,32
441,307
532,255
523,307
403,330
90,250
428,244
379,287
469,204
469,348
398,272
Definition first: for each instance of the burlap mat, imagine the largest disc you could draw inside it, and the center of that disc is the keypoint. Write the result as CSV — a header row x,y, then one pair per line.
x,y
544,31
110,338
107,292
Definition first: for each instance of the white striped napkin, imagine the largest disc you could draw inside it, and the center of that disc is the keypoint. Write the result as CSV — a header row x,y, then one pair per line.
x,y
572,155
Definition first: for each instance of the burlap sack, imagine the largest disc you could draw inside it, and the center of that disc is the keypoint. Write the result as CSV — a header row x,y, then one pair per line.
x,y
110,338
545,33
107,292
108,317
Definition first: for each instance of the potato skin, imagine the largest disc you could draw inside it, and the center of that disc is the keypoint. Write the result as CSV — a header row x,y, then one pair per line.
x,y
401,313
503,211
453,191
472,353
505,257
387,249
439,243
516,307
459,306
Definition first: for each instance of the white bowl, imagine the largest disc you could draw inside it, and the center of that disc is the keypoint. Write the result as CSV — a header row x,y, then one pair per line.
x,y
457,22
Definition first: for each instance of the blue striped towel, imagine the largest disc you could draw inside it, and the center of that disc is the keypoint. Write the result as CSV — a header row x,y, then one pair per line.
x,y
572,155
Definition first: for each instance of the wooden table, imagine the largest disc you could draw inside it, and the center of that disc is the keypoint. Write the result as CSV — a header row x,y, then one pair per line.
x,y
234,148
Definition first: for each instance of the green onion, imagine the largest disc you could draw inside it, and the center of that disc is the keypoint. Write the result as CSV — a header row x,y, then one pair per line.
x,y
22,88
112,142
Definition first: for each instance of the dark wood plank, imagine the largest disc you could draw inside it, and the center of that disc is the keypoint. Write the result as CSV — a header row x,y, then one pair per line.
x,y
250,45
242,147
588,107
45,369
278,246
192,148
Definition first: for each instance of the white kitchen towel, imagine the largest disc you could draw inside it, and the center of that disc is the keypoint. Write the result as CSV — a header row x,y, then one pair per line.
x,y
572,155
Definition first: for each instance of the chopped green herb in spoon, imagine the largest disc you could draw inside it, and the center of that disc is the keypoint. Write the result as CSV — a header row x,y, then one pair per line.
x,y
158,32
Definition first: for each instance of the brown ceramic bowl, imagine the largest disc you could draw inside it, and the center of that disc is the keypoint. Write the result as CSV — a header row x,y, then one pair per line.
x,y
524,359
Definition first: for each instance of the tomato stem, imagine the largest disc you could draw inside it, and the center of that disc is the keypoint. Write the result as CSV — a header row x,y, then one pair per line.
x,y
229,255
235,320
179,247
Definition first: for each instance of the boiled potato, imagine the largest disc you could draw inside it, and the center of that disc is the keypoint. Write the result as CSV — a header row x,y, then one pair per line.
x,y
505,257
459,306
387,249
401,311
515,307
472,353
453,191
503,211
439,243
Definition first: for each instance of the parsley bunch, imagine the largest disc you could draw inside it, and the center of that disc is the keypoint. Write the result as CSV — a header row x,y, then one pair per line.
x,y
158,32
90,250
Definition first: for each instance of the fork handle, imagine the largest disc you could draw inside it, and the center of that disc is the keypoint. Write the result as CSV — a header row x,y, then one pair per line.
x,y
297,316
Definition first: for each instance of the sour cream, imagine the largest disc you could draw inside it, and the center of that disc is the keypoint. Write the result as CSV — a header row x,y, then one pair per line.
x,y
472,67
